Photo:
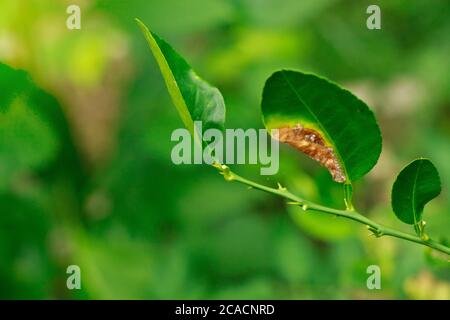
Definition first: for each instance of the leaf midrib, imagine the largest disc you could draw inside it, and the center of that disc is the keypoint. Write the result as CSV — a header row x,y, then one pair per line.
x,y
338,154
174,90
413,200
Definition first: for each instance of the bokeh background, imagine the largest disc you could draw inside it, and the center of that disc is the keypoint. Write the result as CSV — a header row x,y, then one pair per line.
x,y
85,170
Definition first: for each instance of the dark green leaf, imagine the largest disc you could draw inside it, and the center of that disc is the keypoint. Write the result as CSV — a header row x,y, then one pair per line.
x,y
324,121
416,185
28,138
33,130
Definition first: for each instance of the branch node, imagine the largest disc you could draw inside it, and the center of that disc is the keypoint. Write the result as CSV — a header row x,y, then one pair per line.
x,y
376,232
224,170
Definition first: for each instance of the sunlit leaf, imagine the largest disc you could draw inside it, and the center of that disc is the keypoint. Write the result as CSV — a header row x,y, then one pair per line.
x,y
415,186
324,121
194,98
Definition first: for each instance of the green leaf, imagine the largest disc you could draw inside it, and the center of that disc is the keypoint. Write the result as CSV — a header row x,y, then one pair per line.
x,y
194,99
29,136
324,121
34,133
415,186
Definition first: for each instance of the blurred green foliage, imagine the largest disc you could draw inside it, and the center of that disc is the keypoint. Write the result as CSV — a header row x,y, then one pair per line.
x,y
85,170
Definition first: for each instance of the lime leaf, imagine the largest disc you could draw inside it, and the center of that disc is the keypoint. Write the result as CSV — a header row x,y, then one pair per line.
x,y
415,186
324,121
194,99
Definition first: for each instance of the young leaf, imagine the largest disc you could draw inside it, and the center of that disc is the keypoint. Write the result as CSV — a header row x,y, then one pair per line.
x,y
415,186
324,121
194,99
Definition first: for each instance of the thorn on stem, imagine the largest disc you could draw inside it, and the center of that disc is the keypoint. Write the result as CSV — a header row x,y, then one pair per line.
x,y
280,187
376,232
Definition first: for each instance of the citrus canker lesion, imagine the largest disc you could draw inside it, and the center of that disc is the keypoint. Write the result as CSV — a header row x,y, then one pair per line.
x,y
311,143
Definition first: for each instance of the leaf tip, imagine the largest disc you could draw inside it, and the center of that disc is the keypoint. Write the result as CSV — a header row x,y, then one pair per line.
x,y
139,22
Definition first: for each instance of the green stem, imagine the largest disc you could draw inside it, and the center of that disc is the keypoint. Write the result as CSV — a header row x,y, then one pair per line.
x,y
348,195
377,229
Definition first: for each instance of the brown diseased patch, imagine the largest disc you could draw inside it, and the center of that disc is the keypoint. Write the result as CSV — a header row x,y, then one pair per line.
x,y
310,142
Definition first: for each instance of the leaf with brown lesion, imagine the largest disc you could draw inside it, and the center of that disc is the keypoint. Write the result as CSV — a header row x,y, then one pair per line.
x,y
339,130
311,143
